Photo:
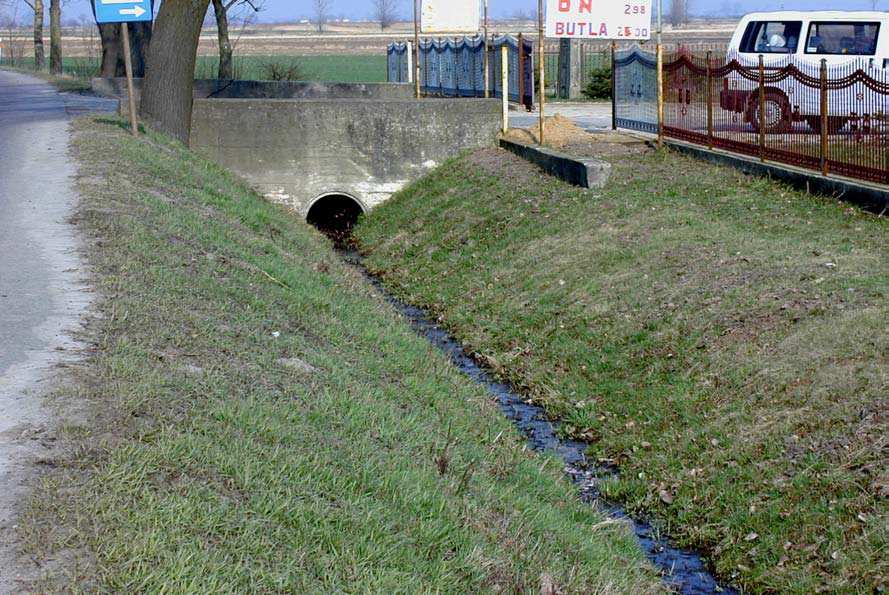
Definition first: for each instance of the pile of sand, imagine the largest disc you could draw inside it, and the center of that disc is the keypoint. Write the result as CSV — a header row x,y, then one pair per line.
x,y
564,135
558,131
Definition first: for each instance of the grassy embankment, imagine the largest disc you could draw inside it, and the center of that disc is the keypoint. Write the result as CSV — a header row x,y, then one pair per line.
x,y
339,69
724,339
261,420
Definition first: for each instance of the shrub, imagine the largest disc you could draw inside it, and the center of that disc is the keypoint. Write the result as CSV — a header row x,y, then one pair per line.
x,y
599,85
282,71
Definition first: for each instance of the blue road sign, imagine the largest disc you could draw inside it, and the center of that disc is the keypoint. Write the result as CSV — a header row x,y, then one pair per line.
x,y
123,11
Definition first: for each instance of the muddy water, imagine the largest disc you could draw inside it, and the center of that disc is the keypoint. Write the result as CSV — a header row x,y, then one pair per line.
x,y
684,571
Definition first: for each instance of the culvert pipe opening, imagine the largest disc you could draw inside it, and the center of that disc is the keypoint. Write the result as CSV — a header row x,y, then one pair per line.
x,y
335,215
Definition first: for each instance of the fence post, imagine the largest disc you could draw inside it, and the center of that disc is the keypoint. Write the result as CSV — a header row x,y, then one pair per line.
x,y
762,108
428,51
614,85
660,95
825,121
710,100
504,81
416,68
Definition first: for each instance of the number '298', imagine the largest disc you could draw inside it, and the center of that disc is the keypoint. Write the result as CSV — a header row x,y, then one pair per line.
x,y
634,9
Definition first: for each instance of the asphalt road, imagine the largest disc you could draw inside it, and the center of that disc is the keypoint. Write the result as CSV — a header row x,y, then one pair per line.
x,y
42,292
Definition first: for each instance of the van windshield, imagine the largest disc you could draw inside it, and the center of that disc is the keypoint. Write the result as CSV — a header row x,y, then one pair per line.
x,y
771,37
838,39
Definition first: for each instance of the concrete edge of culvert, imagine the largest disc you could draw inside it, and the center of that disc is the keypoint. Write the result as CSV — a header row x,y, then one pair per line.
x,y
583,172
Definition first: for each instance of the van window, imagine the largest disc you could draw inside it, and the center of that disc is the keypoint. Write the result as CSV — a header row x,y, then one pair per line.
x,y
771,37
836,39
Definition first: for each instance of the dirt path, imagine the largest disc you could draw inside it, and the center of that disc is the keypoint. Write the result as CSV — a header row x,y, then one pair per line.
x,y
42,294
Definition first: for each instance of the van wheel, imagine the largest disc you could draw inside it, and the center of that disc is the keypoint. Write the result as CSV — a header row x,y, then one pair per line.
x,y
778,115
834,124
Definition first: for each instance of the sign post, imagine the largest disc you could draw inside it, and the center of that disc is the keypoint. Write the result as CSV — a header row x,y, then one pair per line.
x,y
124,12
128,65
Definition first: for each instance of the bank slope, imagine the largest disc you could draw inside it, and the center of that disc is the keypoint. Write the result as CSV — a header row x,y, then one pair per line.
x,y
259,420
723,339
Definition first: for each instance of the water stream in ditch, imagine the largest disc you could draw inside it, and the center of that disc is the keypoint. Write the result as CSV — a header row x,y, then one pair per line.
x,y
684,571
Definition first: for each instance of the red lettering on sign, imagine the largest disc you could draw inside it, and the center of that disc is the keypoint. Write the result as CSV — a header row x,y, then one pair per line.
x,y
564,5
586,5
560,28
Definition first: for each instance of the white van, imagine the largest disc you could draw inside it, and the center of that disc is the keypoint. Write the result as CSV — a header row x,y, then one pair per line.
x,y
845,40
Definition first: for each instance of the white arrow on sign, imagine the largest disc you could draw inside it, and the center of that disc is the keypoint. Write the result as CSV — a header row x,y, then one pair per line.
x,y
136,11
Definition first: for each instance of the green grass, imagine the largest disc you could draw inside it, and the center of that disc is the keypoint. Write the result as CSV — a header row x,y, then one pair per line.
x,y
258,419
723,339
338,69
335,69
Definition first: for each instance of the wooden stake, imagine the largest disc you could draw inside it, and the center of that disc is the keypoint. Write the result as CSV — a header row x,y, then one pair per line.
x,y
613,84
825,121
710,100
762,108
660,95
487,57
504,78
128,65
416,50
541,67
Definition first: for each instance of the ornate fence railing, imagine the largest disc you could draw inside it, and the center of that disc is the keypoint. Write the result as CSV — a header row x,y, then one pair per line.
x,y
830,119
456,67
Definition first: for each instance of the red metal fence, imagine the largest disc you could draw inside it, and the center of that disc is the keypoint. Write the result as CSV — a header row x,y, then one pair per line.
x,y
830,119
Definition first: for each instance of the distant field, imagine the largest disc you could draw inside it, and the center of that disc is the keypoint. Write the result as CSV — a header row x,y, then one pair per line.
x,y
340,69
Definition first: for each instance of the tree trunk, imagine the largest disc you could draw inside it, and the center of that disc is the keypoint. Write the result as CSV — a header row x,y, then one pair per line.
x,y
39,53
226,68
169,77
55,36
112,49
140,41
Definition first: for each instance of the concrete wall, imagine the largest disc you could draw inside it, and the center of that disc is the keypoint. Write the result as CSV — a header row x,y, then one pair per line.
x,y
295,151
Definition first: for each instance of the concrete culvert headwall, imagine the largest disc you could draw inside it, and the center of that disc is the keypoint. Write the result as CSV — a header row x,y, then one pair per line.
x,y
335,215
295,150
295,141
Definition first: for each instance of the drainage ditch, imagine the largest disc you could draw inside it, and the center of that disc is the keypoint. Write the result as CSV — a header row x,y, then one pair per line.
x,y
683,570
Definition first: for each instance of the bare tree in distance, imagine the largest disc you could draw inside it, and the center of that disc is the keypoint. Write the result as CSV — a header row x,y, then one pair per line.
x,y
679,13
55,36
385,12
321,13
227,12
36,7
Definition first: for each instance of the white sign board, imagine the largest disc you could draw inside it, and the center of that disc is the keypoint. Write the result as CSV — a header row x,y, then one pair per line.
x,y
450,16
599,19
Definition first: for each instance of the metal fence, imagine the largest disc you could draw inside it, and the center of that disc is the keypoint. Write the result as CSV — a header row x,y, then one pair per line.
x,y
635,90
456,67
830,119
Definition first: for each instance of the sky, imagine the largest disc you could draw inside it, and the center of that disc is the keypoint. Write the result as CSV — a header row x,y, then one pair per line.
x,y
291,9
